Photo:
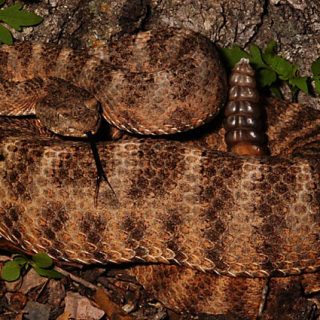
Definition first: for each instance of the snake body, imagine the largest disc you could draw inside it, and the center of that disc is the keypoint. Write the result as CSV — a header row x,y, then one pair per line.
x,y
176,203
163,74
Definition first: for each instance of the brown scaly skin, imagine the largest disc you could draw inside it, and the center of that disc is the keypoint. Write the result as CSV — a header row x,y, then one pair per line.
x,y
212,211
176,202
181,288
163,74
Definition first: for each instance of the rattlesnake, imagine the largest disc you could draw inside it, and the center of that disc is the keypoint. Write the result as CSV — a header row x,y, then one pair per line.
x,y
179,203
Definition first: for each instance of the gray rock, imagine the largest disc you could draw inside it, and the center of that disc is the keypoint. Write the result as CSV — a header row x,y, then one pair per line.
x,y
37,311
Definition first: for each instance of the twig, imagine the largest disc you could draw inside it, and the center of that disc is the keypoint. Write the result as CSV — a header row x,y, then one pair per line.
x,y
77,279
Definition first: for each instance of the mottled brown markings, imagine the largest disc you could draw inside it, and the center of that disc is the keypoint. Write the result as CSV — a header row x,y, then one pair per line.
x,y
298,121
300,144
11,217
21,189
49,234
215,255
74,65
55,213
93,237
136,89
138,189
157,286
120,52
211,234
99,82
272,199
173,222
264,209
12,70
125,115
135,228
304,125
14,213
186,289
160,148
226,172
281,188
213,215
24,55
217,182
65,170
148,172
15,176
49,54
8,222
153,177
159,42
93,226
207,170
219,204
180,116
58,224
273,224
3,62
11,177
188,45
314,167
237,292
157,186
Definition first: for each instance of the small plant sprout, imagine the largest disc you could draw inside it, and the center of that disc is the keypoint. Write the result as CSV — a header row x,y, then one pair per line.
x,y
273,70
40,262
15,17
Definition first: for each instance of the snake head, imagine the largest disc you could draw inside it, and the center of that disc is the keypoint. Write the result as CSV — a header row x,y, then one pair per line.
x,y
68,110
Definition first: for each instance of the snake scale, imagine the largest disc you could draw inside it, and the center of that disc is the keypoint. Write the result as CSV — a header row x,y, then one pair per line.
x,y
219,216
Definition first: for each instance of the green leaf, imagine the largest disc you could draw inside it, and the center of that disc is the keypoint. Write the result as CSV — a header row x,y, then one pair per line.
x,y
233,55
20,260
17,18
267,58
269,52
271,48
48,273
266,77
301,83
315,67
5,35
283,68
275,91
10,271
317,84
42,260
256,58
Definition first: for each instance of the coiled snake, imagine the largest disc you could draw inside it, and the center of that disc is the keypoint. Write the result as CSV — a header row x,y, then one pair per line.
x,y
177,202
